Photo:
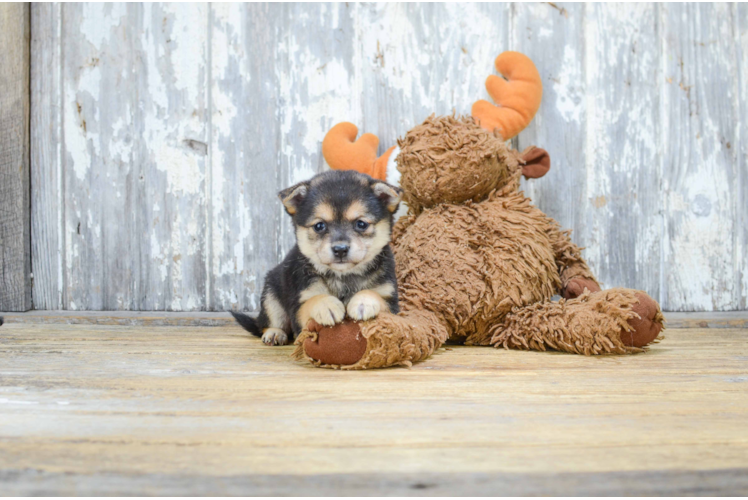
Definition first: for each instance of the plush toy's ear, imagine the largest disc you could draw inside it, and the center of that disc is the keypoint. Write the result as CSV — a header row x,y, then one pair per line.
x,y
293,197
342,153
517,98
537,162
390,195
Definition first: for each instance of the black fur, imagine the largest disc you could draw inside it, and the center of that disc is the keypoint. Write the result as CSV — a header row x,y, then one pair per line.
x,y
248,323
340,189
297,272
1,321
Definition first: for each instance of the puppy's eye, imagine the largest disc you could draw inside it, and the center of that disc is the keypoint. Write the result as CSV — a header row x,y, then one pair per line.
x,y
320,227
361,225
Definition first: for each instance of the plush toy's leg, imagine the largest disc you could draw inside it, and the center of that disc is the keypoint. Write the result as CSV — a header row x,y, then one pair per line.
x,y
618,320
387,340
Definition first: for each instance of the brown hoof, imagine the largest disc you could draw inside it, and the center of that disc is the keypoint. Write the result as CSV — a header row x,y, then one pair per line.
x,y
575,287
647,327
341,344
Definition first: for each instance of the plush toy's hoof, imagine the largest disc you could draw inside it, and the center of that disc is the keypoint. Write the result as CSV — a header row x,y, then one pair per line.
x,y
575,287
648,326
341,344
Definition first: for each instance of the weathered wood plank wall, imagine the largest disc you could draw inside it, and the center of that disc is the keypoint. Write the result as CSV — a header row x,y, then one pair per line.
x,y
15,224
160,134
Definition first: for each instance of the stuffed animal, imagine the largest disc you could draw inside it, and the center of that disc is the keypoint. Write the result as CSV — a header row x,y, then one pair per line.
x,y
476,262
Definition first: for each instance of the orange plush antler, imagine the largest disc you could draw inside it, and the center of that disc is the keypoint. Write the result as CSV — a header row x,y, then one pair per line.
x,y
517,98
342,153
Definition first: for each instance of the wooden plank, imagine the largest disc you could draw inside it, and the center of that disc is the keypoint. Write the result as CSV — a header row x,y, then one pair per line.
x,y
99,167
599,119
15,221
727,482
417,59
174,120
741,42
220,106
136,138
700,172
552,35
47,143
622,146
677,320
279,74
148,405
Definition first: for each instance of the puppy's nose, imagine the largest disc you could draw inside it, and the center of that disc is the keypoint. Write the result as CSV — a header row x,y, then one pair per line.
x,y
340,250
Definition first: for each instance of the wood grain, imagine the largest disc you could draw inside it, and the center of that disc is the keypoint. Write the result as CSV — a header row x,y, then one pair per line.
x,y
731,319
700,170
165,200
47,145
741,248
623,204
553,37
15,217
178,409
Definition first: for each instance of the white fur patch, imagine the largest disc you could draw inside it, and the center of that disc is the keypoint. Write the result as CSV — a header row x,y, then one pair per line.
x,y
274,336
393,174
364,306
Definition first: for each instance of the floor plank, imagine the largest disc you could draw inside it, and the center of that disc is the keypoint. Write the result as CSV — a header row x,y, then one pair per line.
x,y
96,409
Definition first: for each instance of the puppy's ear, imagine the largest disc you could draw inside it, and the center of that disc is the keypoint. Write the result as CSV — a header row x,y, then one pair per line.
x,y
293,197
391,196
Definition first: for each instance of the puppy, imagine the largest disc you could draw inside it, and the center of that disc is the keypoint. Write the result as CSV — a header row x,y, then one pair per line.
x,y
342,261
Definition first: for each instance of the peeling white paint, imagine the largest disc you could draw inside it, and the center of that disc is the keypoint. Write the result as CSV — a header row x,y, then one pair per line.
x,y
156,115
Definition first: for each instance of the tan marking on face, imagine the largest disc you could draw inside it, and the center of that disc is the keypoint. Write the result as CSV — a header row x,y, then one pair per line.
x,y
380,238
324,211
324,309
363,248
355,211
276,313
307,245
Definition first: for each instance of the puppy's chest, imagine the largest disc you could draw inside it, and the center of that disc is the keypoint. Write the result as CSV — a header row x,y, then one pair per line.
x,y
347,286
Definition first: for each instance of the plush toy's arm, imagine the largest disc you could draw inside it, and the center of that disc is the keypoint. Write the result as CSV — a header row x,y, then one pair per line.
x,y
572,268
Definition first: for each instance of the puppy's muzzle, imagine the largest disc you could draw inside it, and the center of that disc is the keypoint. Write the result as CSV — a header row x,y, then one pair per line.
x,y
340,251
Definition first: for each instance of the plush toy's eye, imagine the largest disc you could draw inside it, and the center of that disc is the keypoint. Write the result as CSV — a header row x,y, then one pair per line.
x,y
362,225
320,227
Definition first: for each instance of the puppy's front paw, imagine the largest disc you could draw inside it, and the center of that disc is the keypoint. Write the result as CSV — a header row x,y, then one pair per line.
x,y
364,305
274,336
327,310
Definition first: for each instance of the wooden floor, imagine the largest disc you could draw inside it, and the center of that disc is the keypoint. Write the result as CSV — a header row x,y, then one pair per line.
x,y
112,410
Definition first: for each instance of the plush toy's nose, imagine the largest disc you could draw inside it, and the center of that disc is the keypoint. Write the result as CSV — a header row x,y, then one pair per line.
x,y
340,251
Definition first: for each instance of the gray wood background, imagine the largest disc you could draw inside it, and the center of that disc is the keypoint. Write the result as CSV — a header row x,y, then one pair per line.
x,y
15,226
161,133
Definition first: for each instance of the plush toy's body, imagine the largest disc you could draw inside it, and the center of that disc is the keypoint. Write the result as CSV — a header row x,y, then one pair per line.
x,y
477,263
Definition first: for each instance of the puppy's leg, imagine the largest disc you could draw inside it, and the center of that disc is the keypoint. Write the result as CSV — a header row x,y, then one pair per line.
x,y
367,304
324,309
276,332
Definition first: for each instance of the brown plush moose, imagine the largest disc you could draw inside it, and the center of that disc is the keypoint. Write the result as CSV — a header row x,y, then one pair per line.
x,y
476,262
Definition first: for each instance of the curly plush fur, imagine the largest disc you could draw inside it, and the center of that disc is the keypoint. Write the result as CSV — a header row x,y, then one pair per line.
x,y
478,263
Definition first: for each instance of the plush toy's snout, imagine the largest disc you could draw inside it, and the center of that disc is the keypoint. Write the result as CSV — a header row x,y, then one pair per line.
x,y
537,162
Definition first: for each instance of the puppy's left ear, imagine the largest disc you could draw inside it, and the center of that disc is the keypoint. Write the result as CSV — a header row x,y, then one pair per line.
x,y
293,197
391,196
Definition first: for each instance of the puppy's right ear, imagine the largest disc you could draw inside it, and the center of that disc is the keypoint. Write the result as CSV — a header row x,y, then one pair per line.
x,y
293,197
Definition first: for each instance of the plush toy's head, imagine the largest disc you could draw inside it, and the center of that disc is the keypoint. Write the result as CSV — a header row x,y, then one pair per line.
x,y
450,159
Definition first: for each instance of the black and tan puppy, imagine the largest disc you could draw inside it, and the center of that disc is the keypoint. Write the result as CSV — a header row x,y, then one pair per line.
x,y
342,261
